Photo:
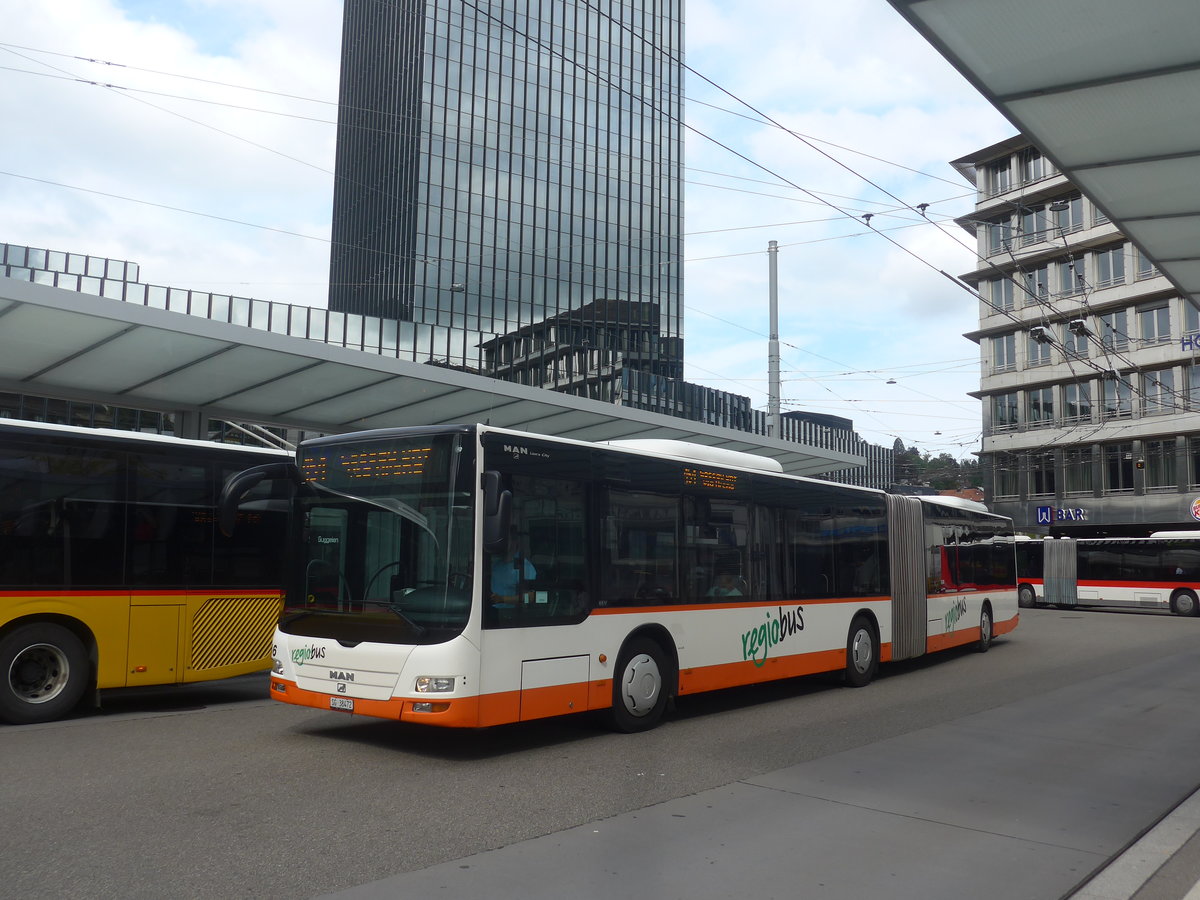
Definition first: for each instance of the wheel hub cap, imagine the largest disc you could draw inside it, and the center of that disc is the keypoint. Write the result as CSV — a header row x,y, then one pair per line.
x,y
641,684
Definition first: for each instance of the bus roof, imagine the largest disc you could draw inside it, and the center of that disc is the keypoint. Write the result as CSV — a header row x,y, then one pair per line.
x,y
131,437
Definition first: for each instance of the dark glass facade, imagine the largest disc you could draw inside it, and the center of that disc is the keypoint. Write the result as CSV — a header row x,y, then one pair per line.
x,y
502,164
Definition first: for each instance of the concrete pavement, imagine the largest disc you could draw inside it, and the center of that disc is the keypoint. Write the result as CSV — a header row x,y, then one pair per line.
x,y
1058,796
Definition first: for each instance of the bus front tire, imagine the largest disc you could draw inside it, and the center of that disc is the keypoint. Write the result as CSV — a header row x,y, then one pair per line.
x,y
862,652
1183,603
45,673
640,688
1026,598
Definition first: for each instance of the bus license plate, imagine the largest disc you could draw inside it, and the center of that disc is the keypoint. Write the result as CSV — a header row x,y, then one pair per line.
x,y
343,703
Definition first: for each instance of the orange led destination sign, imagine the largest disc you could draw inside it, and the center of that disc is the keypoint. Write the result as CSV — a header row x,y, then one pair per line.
x,y
720,481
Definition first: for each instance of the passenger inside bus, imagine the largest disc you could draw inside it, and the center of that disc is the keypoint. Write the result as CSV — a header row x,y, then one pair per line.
x,y
725,585
510,570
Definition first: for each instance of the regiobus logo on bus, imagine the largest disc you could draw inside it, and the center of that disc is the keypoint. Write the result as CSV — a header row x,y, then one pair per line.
x,y
762,638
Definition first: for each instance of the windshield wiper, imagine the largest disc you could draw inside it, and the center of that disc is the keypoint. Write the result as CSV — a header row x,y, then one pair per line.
x,y
393,607
391,504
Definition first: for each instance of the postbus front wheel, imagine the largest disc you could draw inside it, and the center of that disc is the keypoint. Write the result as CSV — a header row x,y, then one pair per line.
x,y
44,668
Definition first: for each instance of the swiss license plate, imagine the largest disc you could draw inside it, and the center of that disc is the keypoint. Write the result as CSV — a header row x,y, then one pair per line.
x,y
343,703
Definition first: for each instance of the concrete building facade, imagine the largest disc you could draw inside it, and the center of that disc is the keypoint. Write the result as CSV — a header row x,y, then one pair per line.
x,y
1089,377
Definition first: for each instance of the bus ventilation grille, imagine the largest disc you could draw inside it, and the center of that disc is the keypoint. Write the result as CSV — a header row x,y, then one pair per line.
x,y
231,630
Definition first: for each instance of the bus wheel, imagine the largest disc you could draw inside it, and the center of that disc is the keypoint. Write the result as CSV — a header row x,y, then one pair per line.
x,y
862,653
1026,598
640,687
45,672
1183,603
985,629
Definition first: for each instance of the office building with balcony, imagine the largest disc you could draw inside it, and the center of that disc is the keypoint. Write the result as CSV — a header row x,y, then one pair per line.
x,y
1089,384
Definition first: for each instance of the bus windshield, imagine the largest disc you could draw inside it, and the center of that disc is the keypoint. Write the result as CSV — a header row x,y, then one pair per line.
x,y
384,541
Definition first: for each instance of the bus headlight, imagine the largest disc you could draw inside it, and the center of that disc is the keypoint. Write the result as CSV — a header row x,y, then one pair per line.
x,y
434,684
277,666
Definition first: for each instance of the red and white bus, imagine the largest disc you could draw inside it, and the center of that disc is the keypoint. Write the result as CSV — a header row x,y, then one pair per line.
x,y
1157,572
471,576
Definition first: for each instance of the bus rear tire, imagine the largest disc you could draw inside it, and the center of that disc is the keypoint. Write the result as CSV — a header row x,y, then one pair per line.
x,y
44,668
862,652
641,686
1026,597
986,631
1183,603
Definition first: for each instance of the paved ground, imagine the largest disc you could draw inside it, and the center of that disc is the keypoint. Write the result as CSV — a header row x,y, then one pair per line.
x,y
1050,797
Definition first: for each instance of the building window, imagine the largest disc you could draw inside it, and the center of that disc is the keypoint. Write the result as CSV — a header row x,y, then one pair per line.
x,y
1037,347
1069,273
1033,166
1036,285
1192,373
1077,403
1034,225
1039,407
1158,392
1041,474
1118,468
999,236
1191,322
1077,470
1154,324
1004,412
1110,266
1001,292
1068,214
1005,475
1194,462
998,177
1114,330
1160,465
1004,353
1117,400
1075,340
1143,265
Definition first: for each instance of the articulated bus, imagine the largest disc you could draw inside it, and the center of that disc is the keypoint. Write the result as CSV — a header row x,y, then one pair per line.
x,y
112,573
1157,572
471,576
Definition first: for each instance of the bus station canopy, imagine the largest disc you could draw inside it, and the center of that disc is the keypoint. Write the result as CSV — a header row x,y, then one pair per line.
x,y
61,343
1108,90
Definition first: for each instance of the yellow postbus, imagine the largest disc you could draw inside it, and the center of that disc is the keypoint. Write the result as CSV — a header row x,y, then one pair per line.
x,y
112,570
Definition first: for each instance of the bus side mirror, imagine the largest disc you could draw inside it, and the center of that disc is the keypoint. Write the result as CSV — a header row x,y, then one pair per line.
x,y
497,512
240,483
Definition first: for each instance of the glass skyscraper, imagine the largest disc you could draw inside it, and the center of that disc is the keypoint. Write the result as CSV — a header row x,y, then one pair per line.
x,y
504,163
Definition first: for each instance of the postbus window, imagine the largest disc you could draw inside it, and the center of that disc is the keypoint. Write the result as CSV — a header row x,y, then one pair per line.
x,y
253,557
61,516
171,522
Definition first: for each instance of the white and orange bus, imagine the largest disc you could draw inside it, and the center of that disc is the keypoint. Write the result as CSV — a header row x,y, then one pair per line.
x,y
471,576
1161,571
112,572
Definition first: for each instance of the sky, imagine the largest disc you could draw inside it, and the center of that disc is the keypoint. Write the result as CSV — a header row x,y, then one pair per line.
x,y
130,132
